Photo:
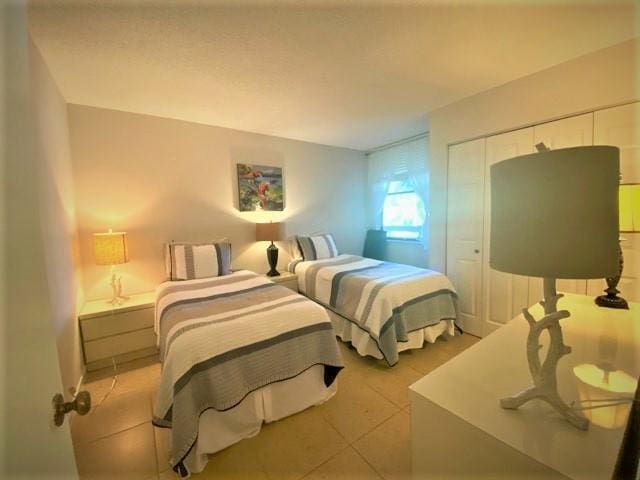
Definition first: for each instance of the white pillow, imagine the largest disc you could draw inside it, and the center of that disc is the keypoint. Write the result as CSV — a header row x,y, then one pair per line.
x,y
188,261
318,247
292,248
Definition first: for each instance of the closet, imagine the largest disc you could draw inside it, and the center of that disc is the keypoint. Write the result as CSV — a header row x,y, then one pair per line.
x,y
489,298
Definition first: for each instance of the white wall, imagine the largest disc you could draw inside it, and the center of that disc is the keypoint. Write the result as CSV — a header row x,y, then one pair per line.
x,y
57,215
603,78
161,179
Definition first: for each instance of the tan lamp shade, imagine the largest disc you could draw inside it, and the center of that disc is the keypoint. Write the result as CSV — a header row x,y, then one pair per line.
x,y
110,248
269,231
554,214
630,208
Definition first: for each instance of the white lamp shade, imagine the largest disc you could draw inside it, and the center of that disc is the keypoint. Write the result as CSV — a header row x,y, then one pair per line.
x,y
554,214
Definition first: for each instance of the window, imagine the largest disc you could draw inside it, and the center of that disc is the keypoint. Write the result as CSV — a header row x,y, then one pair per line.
x,y
403,211
398,179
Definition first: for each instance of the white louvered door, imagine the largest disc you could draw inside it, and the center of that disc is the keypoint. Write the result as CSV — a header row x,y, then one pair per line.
x,y
465,222
504,294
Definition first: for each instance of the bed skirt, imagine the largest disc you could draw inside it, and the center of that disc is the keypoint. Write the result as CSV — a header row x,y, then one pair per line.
x,y
365,345
219,430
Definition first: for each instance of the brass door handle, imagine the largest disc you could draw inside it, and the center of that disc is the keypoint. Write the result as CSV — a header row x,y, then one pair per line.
x,y
81,404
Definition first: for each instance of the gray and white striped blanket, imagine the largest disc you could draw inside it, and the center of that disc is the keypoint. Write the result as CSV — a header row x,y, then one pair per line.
x,y
224,337
387,300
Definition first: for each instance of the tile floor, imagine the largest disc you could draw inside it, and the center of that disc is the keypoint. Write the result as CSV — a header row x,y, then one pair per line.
x,y
361,433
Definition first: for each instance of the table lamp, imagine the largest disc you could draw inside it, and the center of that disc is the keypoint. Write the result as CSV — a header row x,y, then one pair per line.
x,y
270,232
554,214
629,202
111,249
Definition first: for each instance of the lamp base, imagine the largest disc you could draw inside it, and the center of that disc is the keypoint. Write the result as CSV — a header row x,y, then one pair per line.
x,y
272,257
119,300
545,386
116,290
612,301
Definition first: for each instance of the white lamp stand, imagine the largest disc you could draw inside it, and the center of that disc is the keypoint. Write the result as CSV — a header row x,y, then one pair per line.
x,y
116,289
545,385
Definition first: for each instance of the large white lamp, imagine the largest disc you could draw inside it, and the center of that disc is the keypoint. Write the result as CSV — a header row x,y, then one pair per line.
x,y
111,249
554,214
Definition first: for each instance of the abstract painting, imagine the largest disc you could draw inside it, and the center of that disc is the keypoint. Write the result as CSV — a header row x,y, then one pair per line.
x,y
260,188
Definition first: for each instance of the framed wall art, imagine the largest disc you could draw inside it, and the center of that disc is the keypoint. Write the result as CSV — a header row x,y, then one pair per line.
x,y
259,188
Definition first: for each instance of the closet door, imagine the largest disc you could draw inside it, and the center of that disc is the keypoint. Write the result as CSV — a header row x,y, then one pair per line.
x,y
568,132
504,294
465,214
620,127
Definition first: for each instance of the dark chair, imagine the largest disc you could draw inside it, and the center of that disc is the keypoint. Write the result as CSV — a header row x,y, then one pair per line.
x,y
375,245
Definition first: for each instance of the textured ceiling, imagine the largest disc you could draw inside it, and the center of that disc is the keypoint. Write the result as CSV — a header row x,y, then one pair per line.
x,y
358,76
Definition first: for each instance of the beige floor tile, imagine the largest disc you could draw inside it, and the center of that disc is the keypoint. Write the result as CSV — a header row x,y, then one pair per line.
x,y
388,448
115,414
392,382
146,378
142,374
129,454
163,447
347,465
292,447
356,408
287,449
238,462
457,344
98,388
426,359
107,372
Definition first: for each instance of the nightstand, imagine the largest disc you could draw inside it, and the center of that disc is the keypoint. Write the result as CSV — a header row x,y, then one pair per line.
x,y
286,279
122,332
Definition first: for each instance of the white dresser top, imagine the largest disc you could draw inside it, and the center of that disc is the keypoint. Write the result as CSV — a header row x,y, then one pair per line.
x,y
471,385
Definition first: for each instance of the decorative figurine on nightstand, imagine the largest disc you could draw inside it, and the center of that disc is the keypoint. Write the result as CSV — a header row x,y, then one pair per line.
x,y
111,249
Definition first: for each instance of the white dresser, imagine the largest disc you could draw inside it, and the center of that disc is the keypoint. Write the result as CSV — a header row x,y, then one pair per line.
x,y
458,429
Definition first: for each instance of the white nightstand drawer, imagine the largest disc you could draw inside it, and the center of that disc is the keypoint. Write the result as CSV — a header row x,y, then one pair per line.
x,y
114,324
119,344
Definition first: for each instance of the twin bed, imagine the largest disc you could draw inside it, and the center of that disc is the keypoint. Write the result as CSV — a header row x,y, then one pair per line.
x,y
238,350
382,308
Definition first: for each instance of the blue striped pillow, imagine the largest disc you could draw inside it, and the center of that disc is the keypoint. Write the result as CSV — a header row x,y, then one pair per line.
x,y
318,247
